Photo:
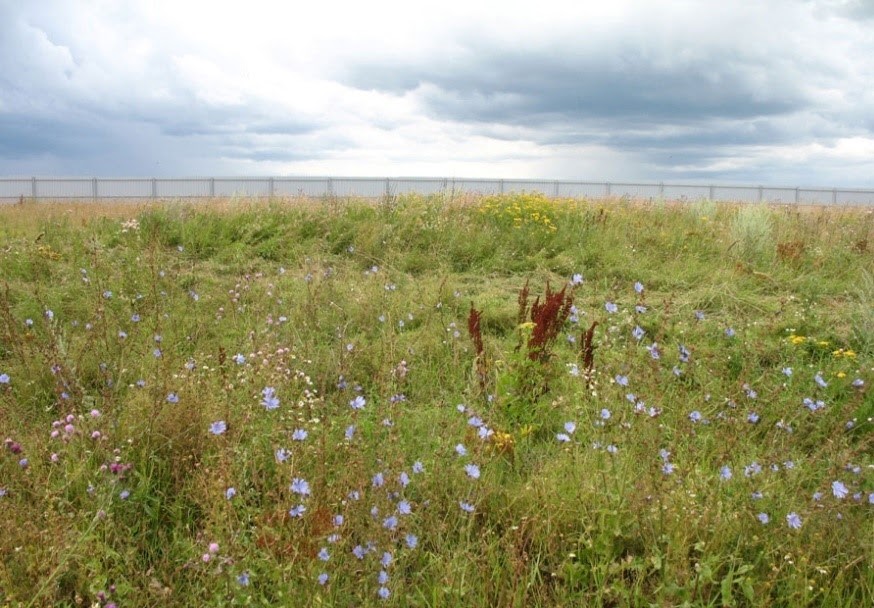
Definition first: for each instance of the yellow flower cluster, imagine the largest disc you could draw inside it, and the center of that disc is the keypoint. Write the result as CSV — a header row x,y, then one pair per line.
x,y
846,353
520,210
809,339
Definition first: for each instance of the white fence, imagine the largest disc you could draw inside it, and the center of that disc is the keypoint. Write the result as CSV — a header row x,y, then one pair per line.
x,y
94,188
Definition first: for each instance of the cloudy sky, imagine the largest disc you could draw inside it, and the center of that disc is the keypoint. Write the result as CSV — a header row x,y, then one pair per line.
x,y
776,92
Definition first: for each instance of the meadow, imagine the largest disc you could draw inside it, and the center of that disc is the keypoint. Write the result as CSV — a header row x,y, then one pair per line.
x,y
486,401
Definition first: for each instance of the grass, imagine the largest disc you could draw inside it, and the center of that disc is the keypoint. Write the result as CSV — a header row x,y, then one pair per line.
x,y
145,461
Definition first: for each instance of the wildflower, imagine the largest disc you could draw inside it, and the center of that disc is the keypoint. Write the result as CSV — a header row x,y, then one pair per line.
x,y
390,522
404,479
412,540
124,494
725,472
699,315
787,371
621,380
382,578
605,414
358,551
638,333
350,432
472,471
49,315
157,353
299,435
404,507
418,467
668,468
4,378
484,432
218,427
297,511
858,383
573,370
695,416
611,307
638,287
640,308
577,279
323,554
818,379
239,358
282,455
475,421
466,507
654,350
729,332
562,437
570,427
753,418
763,517
172,398
793,520
612,449
270,400
386,559
817,496
664,454
460,450
839,490
757,495
751,469
243,579
358,403
384,593
300,486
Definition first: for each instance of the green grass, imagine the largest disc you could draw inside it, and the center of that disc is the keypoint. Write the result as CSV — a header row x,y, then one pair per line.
x,y
329,300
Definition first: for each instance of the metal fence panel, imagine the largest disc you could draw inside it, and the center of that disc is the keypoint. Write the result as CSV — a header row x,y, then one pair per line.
x,y
581,189
65,188
124,188
16,188
287,186
849,197
740,194
815,196
241,187
181,188
375,187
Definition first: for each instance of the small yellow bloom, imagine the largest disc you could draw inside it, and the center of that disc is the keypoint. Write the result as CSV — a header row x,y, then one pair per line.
x,y
841,375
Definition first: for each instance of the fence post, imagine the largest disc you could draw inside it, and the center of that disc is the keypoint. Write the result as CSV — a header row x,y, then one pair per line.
x,y
555,189
94,188
154,188
711,194
387,188
797,196
330,187
760,194
834,196
33,188
607,189
212,187
661,189
270,188
502,186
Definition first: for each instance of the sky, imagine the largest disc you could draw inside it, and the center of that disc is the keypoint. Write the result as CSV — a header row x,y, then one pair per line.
x,y
773,92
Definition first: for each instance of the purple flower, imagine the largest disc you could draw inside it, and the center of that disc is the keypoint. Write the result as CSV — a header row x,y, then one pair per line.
x,y
638,333
668,468
695,416
172,398
350,432
358,403
270,400
763,517
297,511
793,520
4,378
753,418
412,540
300,486
378,480
460,450
230,493
323,578
243,579
384,593
404,479
839,490
729,332
466,507
725,472
605,414
239,358
818,379
299,435
218,427
787,371
638,287
570,427
382,578
611,307
282,455
390,522
858,383
577,279
418,467
562,438
621,380
472,471
323,554
404,507
359,552
386,559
